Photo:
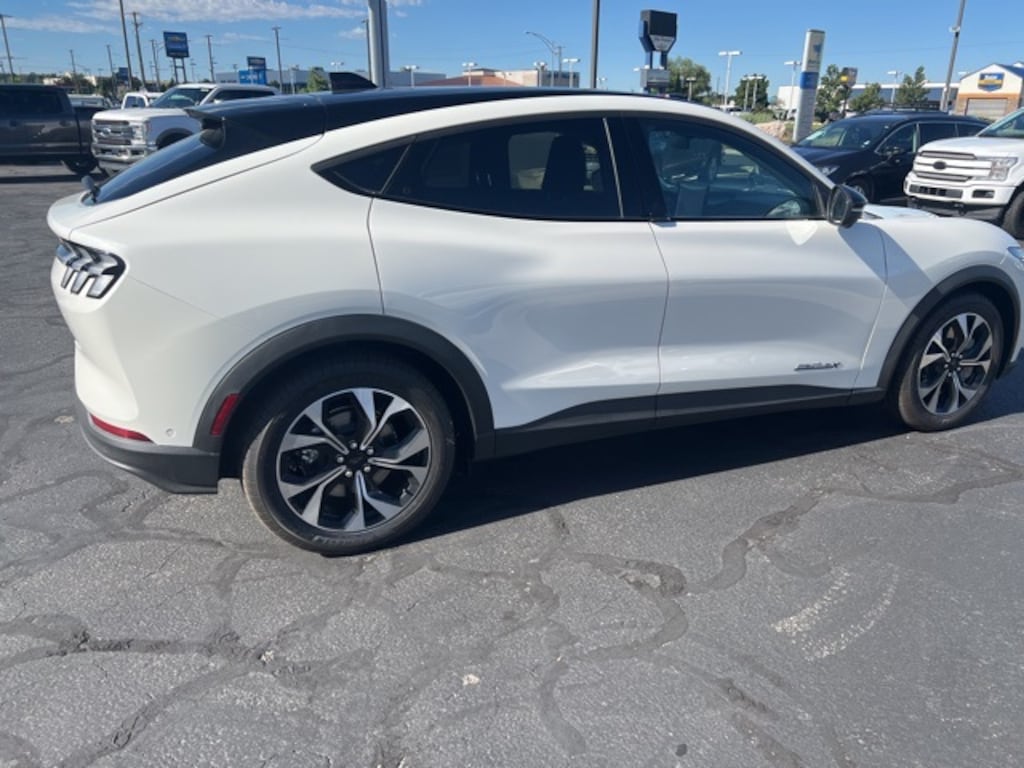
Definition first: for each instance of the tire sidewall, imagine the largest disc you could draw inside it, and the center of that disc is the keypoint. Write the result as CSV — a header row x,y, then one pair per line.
x,y
908,404
259,469
1014,218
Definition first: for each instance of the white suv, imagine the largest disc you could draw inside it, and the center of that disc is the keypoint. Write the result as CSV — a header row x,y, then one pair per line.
x,y
338,299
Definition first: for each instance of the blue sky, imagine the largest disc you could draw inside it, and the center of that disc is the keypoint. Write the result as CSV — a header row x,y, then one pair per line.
x,y
438,35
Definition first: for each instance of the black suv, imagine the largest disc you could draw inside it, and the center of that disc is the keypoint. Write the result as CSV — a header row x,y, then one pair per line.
x,y
873,152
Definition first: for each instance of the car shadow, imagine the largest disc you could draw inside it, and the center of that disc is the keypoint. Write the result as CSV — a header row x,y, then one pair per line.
x,y
506,488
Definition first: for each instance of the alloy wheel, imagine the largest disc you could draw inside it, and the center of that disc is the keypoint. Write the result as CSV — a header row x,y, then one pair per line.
x,y
955,363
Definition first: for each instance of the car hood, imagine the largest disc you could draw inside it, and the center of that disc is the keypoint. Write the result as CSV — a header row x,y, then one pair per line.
x,y
895,212
138,113
977,145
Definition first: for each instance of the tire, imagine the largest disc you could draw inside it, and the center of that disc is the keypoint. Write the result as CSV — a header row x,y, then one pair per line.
x,y
80,166
862,185
949,364
1013,219
362,486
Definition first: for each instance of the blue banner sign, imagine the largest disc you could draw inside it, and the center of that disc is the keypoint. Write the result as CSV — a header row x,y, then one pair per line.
x,y
176,45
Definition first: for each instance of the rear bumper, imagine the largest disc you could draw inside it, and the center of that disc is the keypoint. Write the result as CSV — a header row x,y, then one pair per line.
x,y
174,469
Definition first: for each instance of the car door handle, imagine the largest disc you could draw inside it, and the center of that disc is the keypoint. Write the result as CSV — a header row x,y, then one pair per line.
x,y
65,123
15,123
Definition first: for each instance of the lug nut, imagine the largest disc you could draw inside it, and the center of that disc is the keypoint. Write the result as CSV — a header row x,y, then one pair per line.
x,y
348,473
366,468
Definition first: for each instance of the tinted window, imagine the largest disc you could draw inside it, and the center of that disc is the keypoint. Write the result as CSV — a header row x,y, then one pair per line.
x,y
702,172
365,173
27,101
181,97
234,95
903,139
553,169
968,129
847,134
936,131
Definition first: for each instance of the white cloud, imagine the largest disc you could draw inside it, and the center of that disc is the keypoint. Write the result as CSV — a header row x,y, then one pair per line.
x,y
57,24
356,33
222,10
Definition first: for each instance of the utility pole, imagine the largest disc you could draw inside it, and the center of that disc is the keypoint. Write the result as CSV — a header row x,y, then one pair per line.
x,y
156,65
7,47
127,50
593,43
74,73
113,75
944,105
280,74
209,51
138,47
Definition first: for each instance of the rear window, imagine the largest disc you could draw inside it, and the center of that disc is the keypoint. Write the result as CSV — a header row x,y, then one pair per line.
x,y
229,132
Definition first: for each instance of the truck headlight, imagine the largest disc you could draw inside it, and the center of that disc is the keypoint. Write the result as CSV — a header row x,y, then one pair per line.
x,y
1000,167
140,131
828,170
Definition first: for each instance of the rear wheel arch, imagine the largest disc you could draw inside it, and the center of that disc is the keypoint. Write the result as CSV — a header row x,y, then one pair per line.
x,y
984,280
260,371
1013,219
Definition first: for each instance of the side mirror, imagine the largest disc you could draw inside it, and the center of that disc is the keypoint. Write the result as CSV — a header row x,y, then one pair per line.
x,y
845,206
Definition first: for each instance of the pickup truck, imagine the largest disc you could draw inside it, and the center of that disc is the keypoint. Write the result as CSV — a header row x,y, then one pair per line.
x,y
121,137
981,177
38,124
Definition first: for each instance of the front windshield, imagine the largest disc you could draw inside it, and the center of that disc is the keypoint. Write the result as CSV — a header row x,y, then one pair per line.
x,y
846,134
181,96
1010,127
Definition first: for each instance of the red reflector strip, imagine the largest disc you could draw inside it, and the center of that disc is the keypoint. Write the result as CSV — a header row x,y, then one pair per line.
x,y
221,420
119,431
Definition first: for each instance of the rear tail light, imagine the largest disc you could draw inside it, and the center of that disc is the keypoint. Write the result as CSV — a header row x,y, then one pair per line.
x,y
87,269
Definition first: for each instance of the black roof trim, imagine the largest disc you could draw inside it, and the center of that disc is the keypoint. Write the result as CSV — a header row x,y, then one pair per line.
x,y
288,118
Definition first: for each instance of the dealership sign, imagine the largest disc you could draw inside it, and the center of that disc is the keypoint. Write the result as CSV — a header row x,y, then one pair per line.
x,y
176,45
990,81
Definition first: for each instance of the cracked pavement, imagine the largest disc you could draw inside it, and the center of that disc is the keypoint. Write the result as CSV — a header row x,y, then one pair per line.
x,y
818,589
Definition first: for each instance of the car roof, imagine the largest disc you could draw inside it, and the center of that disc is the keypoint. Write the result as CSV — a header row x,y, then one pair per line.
x,y
902,116
287,118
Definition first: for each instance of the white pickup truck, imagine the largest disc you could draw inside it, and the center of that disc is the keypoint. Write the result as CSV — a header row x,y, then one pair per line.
x,y
981,176
121,137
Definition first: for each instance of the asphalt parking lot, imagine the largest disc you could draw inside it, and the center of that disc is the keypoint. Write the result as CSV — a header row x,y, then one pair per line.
x,y
819,589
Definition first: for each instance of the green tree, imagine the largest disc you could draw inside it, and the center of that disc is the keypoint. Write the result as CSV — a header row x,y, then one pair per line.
x,y
832,94
870,98
317,80
682,69
912,92
752,93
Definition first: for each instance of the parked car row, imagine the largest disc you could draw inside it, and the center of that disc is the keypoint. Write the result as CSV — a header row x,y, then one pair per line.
x,y
427,277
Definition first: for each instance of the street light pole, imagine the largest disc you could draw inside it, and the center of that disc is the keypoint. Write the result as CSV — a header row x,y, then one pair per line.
x,y
540,66
554,48
280,72
7,47
795,64
570,61
74,73
138,47
209,52
728,71
944,104
127,50
895,79
467,67
156,65
411,69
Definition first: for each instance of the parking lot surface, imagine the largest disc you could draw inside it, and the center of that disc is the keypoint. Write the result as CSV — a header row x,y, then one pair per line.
x,y
814,589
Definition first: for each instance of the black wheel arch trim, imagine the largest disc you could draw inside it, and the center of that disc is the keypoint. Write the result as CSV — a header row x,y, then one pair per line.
x,y
268,358
972,277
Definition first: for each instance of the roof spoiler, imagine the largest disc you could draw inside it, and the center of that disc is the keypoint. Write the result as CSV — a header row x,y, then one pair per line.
x,y
346,82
